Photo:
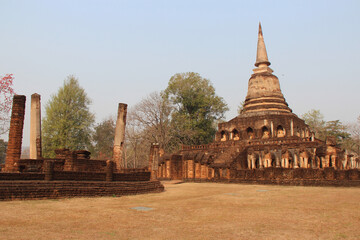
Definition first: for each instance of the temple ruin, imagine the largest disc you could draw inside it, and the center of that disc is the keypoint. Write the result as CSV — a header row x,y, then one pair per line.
x,y
72,172
265,142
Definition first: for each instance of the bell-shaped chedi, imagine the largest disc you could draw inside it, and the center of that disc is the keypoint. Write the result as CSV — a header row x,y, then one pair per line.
x,y
264,93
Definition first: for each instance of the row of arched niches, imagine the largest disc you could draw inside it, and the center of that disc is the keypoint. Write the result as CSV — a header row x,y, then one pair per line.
x,y
265,132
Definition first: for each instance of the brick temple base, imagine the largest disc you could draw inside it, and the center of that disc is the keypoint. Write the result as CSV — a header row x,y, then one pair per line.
x,y
20,190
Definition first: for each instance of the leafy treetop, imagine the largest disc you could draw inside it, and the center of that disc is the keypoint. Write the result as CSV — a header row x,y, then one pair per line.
x,y
68,122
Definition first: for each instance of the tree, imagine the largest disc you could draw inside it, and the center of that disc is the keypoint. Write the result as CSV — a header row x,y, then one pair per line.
x,y
353,143
6,97
3,147
68,122
337,129
240,108
148,122
316,122
103,139
323,128
137,147
152,116
195,108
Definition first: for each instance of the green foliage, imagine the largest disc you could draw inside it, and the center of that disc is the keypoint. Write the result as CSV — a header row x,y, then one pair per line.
x,y
196,108
336,129
3,147
324,128
353,143
103,139
241,107
316,122
68,122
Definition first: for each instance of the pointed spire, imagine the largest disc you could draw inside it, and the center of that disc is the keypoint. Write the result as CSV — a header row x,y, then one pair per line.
x,y
261,56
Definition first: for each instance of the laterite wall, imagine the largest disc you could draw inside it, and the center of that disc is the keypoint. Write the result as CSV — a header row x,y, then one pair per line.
x,y
20,190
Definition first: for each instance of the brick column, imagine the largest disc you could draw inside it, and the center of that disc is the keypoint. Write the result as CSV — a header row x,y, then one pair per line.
x,y
153,160
109,170
120,136
70,159
13,152
167,169
203,171
35,127
191,169
49,170
197,170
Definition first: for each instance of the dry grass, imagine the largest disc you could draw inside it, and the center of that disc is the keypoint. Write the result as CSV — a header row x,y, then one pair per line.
x,y
192,211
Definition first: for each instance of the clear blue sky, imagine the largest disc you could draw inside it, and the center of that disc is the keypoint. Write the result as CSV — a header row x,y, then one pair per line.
x,y
123,50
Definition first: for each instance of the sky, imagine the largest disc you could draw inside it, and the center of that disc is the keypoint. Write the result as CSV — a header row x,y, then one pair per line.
x,y
121,51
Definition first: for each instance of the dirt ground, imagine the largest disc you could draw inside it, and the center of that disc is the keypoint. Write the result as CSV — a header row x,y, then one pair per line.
x,y
191,211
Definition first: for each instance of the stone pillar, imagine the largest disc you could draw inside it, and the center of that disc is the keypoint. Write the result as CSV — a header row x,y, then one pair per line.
x,y
345,161
292,128
296,164
277,158
220,173
120,136
253,166
167,169
70,159
197,170
159,172
228,173
327,161
204,171
333,161
185,163
13,152
153,159
272,128
212,174
306,162
191,169
49,170
323,163
109,170
261,164
35,127
163,175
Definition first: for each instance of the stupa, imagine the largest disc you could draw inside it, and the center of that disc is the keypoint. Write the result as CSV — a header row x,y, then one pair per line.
x,y
265,135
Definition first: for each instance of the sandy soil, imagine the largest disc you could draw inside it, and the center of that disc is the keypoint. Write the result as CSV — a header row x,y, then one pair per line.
x,y
192,211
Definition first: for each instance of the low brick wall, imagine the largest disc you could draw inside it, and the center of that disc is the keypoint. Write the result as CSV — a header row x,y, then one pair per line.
x,y
295,174
293,182
77,176
21,176
20,190
295,177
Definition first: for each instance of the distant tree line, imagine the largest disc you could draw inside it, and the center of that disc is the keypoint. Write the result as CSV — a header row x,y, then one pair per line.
x,y
186,112
347,136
